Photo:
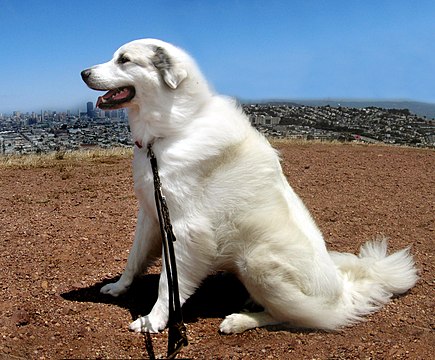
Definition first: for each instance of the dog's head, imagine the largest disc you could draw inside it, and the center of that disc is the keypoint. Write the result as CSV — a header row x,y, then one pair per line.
x,y
141,73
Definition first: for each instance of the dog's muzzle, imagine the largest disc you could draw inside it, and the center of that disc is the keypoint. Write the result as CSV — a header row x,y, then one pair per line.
x,y
114,98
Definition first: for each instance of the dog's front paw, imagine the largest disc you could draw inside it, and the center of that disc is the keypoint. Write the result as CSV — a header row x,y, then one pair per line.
x,y
235,323
114,289
147,324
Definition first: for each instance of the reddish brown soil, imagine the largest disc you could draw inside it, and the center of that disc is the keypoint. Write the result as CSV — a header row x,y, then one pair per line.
x,y
66,230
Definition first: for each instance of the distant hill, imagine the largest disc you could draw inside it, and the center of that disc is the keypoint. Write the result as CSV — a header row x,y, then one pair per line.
x,y
419,108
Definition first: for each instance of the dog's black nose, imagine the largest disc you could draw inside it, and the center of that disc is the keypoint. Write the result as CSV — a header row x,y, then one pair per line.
x,y
85,74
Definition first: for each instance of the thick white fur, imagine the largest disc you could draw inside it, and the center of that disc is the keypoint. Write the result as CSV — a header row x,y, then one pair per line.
x,y
232,208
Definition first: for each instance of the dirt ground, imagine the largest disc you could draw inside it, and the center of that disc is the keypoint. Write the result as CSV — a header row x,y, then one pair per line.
x,y
66,230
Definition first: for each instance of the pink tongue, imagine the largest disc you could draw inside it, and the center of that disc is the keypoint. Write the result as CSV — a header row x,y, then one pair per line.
x,y
121,95
109,94
106,96
113,95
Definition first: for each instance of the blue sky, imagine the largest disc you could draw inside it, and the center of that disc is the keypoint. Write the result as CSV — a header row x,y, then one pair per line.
x,y
301,49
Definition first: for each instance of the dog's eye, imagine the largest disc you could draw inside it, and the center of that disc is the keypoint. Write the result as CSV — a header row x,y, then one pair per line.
x,y
123,59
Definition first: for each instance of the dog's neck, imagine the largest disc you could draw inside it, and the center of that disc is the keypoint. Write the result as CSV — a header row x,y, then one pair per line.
x,y
149,122
141,129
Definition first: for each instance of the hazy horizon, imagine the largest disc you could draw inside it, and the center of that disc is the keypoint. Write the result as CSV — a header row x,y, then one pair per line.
x,y
82,107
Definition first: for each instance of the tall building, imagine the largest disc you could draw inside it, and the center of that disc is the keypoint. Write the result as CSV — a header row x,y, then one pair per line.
x,y
90,109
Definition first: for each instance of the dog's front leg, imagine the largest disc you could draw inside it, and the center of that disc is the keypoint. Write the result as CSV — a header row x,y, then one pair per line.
x,y
191,272
157,319
146,247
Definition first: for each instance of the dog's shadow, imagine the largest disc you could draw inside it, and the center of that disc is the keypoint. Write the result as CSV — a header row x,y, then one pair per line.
x,y
218,296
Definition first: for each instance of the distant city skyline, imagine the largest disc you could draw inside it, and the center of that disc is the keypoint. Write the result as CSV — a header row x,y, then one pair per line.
x,y
85,108
47,132
422,109
249,49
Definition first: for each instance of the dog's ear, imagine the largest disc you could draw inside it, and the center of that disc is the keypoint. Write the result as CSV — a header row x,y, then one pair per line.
x,y
172,75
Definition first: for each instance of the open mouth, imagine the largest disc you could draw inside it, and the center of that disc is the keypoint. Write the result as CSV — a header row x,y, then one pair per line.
x,y
116,98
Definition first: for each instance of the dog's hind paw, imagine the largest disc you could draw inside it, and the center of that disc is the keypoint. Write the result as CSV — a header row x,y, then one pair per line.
x,y
236,323
114,289
144,324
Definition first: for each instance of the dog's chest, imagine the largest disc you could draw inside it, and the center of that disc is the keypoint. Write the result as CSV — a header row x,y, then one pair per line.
x,y
176,186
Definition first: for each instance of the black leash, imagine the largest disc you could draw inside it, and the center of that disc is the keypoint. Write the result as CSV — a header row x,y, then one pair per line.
x,y
177,336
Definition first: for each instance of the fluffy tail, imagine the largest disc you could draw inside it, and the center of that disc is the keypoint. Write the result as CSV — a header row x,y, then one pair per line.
x,y
371,278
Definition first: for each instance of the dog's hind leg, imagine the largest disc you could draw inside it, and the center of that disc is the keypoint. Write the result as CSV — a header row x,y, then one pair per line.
x,y
146,247
291,289
255,284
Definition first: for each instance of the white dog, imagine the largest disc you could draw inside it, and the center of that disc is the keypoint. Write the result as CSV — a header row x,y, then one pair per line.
x,y
230,204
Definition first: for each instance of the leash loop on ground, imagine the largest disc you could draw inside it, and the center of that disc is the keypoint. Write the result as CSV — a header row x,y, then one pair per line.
x,y
177,335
